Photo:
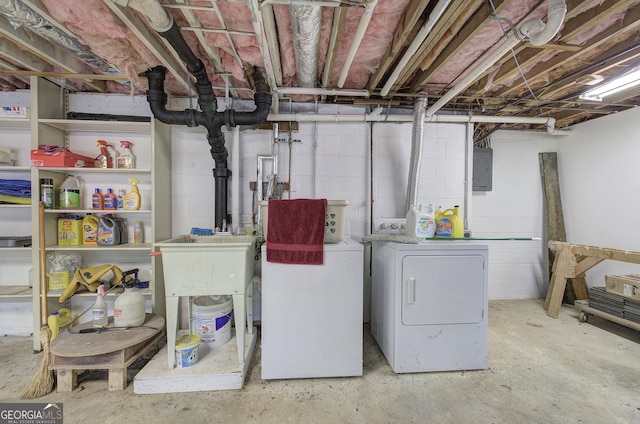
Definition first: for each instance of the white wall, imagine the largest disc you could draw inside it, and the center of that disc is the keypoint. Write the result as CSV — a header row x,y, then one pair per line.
x,y
514,208
600,186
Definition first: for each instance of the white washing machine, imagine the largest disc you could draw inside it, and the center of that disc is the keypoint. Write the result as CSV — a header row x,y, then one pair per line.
x,y
312,315
429,304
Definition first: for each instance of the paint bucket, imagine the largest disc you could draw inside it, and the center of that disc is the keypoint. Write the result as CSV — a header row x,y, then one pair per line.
x,y
211,317
187,350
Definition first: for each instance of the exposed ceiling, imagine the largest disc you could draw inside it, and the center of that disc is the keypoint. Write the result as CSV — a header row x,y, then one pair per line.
x,y
372,46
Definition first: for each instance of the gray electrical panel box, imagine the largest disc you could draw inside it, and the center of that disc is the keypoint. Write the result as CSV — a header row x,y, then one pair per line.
x,y
482,169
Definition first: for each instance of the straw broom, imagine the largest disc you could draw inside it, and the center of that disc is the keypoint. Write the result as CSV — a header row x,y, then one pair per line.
x,y
43,381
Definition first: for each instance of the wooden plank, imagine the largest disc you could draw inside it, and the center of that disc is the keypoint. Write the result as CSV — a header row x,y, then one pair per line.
x,y
117,379
553,206
66,381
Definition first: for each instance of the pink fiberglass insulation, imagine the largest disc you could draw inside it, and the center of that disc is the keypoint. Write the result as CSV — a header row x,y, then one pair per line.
x,y
581,38
462,62
379,34
287,55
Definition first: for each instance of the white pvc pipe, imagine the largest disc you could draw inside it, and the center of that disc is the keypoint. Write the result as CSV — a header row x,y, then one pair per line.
x,y
556,12
235,179
510,42
357,39
377,117
415,44
539,33
315,91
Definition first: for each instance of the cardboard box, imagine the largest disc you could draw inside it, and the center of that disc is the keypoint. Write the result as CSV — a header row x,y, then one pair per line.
x,y
62,159
15,112
70,231
624,285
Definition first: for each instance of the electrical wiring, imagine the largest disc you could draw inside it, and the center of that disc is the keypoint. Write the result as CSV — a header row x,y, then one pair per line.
x,y
494,15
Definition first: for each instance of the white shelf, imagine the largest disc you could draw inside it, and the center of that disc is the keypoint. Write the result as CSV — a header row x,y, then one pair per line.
x,y
16,291
103,211
9,168
15,123
120,247
102,126
68,170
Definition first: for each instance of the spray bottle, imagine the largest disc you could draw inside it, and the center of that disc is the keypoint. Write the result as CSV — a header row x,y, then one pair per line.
x,y
104,159
132,199
100,311
126,160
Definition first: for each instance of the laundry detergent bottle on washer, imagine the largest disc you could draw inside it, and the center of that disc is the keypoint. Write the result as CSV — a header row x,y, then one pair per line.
x,y
449,224
420,222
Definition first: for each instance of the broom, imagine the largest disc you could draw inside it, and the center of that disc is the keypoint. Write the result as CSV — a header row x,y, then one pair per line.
x,y
42,382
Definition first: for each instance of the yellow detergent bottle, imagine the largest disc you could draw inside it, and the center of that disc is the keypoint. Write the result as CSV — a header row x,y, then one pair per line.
x,y
449,224
58,320
132,199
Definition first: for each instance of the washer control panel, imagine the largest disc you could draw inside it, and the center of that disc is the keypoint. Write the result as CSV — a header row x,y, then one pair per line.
x,y
389,225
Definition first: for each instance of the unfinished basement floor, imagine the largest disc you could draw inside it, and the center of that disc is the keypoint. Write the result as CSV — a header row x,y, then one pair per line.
x,y
540,370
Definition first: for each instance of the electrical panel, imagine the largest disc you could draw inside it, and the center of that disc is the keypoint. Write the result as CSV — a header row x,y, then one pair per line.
x,y
482,169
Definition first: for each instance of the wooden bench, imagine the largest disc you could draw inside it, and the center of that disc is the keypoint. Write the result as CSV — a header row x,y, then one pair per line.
x,y
573,261
113,350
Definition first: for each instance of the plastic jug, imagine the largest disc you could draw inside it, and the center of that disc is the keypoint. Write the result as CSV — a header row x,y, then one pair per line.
x,y
129,309
420,222
58,320
90,229
108,231
449,224
69,194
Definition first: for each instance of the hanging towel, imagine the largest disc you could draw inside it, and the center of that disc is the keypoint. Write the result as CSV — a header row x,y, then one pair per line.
x,y
295,231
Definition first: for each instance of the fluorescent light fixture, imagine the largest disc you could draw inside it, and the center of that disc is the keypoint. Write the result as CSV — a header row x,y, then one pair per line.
x,y
616,85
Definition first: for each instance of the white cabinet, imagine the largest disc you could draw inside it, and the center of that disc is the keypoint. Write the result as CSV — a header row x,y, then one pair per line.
x,y
152,147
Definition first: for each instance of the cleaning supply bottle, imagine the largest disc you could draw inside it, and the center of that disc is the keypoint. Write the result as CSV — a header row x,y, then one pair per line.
x,y
100,311
97,200
104,159
129,309
450,224
121,193
132,199
138,233
126,160
90,230
69,194
58,320
110,200
420,222
108,233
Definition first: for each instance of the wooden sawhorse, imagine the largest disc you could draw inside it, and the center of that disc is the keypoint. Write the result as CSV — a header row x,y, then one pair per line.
x,y
573,261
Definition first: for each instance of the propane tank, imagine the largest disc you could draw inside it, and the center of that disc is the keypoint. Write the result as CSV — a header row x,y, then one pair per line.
x,y
130,307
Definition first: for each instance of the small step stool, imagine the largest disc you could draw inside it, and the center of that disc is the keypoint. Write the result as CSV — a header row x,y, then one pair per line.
x,y
113,350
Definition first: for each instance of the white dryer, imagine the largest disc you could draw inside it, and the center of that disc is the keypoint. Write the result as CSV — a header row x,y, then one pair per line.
x,y
429,304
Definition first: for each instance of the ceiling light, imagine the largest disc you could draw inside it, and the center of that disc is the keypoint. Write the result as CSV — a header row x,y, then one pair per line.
x,y
615,85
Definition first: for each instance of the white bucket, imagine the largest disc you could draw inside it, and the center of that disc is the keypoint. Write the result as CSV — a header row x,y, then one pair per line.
x,y
187,350
211,317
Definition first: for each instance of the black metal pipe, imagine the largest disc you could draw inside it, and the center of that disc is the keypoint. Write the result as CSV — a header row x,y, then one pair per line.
x,y
208,116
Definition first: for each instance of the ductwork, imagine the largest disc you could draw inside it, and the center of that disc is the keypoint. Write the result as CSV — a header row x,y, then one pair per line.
x,y
159,19
18,14
208,115
416,152
306,22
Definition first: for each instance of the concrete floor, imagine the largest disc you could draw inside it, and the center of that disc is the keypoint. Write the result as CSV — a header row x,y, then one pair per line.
x,y
540,370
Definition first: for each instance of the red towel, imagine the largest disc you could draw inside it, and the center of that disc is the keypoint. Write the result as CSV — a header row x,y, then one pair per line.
x,y
295,231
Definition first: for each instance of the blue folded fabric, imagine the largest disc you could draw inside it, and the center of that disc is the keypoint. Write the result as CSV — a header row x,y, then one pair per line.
x,y
16,188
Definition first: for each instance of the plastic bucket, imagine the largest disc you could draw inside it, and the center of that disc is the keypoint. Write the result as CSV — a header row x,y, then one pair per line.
x,y
211,317
187,350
